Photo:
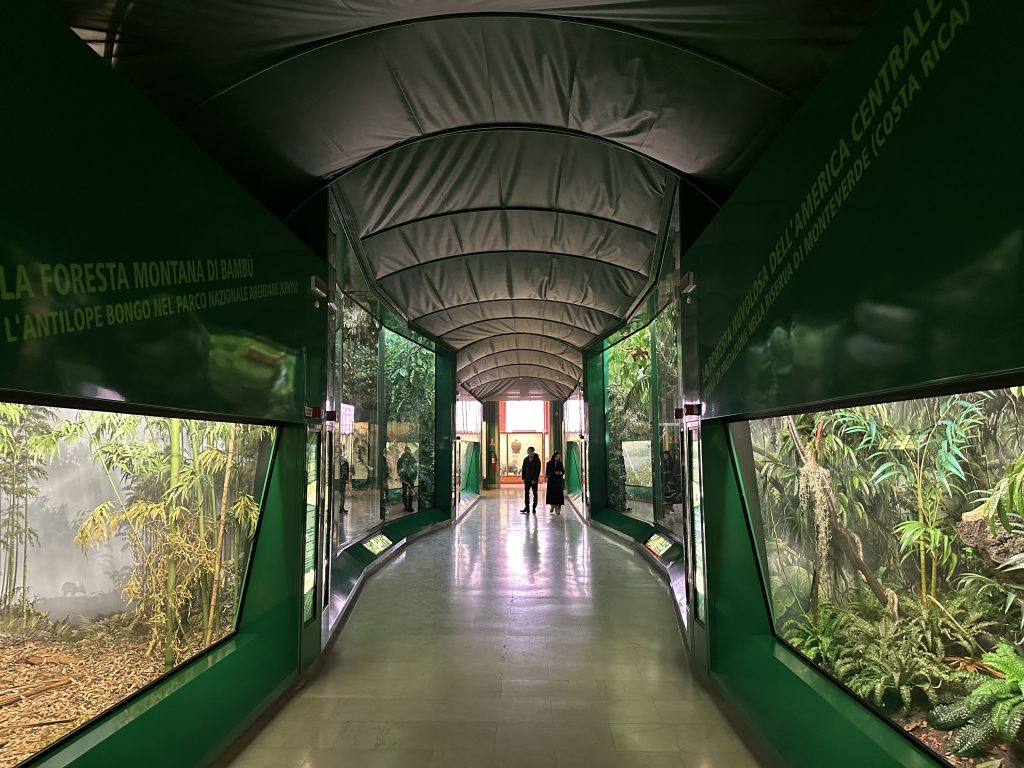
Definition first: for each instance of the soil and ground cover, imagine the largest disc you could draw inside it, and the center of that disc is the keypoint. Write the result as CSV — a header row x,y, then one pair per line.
x,y
47,689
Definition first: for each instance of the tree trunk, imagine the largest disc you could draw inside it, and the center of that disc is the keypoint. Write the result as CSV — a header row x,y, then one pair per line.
x,y
220,534
844,537
174,428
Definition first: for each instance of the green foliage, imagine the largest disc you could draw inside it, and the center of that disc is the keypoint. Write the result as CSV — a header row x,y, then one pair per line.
x,y
1003,597
22,470
897,659
628,407
358,347
820,639
994,709
409,389
790,581
923,456
894,662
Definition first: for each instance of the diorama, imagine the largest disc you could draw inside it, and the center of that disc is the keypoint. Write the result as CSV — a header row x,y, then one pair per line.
x,y
124,540
894,545
387,381
638,435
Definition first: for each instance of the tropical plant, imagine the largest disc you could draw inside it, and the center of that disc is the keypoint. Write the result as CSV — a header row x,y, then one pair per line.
x,y
357,353
924,455
628,377
897,661
820,638
1004,597
994,709
789,580
409,390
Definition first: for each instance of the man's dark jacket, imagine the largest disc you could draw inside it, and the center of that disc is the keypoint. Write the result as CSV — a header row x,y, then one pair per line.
x,y
531,468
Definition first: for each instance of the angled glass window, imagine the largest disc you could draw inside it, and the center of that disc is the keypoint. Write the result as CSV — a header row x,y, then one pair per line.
x,y
408,457
894,542
573,425
124,543
627,368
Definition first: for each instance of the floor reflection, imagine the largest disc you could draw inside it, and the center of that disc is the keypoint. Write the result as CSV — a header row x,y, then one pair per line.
x,y
506,640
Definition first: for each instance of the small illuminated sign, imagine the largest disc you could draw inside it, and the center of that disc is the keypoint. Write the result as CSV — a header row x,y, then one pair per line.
x,y
377,544
658,544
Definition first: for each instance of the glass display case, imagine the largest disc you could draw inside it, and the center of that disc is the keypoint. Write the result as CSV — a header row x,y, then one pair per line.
x,y
893,540
124,544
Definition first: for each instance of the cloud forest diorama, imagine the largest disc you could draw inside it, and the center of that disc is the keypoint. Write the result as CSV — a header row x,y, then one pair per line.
x,y
894,544
124,540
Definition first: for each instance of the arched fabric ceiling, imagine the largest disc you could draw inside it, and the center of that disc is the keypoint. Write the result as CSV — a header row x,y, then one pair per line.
x,y
495,353
508,229
525,388
494,169
180,52
508,168
513,227
331,107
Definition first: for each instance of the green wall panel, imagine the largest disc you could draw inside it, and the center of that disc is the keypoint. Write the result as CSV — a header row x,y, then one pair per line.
x,y
132,267
470,477
490,415
879,243
597,443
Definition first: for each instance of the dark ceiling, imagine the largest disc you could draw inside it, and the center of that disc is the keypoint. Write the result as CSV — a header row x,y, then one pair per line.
x,y
507,176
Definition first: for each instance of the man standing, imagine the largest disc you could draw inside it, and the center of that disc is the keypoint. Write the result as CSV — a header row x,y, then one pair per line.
x,y
342,480
407,474
531,475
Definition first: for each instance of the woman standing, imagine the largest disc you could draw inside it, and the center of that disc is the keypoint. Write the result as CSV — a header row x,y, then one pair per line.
x,y
555,473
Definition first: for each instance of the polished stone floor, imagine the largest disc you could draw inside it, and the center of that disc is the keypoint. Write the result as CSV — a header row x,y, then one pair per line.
x,y
505,641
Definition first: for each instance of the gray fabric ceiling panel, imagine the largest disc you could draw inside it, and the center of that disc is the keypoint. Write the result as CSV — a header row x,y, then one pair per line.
x,y
520,371
504,168
499,360
180,51
584,318
522,389
335,105
497,344
508,230
570,334
479,278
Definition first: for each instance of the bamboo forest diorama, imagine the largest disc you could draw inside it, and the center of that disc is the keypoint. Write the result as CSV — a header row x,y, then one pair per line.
x,y
124,540
894,542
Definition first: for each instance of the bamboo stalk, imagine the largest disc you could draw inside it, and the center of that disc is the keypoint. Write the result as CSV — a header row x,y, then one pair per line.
x,y
220,534
174,427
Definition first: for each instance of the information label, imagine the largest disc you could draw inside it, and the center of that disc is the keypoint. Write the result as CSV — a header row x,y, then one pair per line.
x,y
658,544
377,544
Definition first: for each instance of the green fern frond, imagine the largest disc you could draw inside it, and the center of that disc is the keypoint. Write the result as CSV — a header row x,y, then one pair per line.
x,y
946,717
974,737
